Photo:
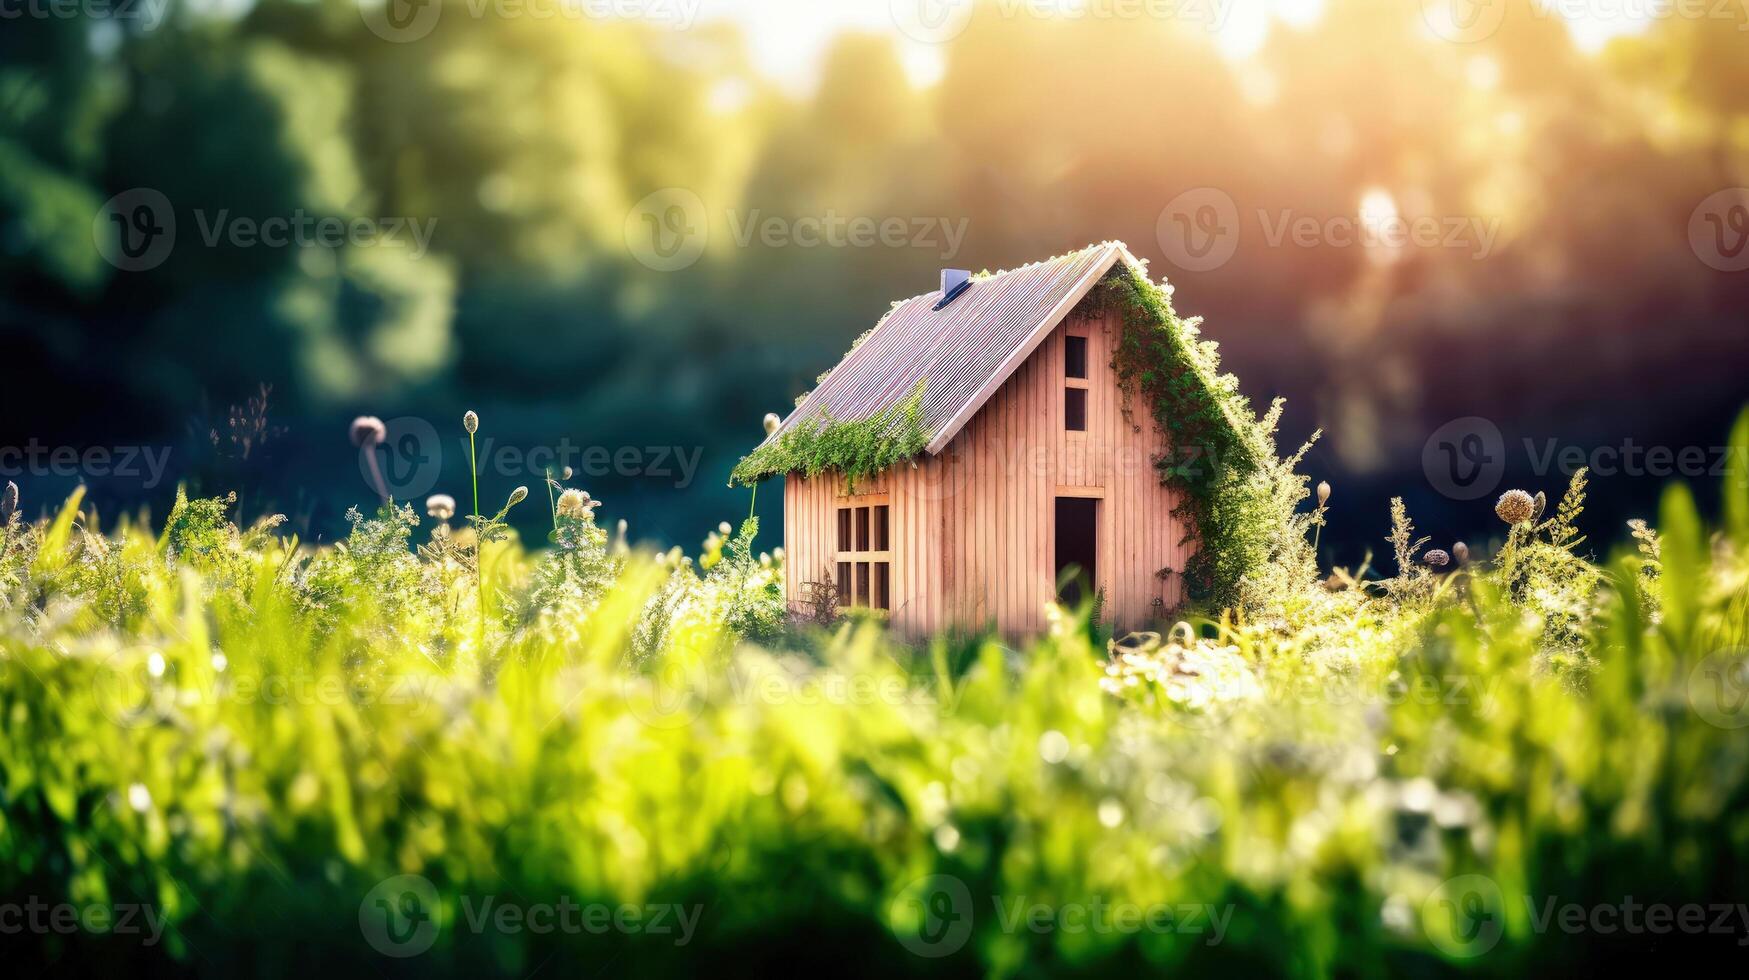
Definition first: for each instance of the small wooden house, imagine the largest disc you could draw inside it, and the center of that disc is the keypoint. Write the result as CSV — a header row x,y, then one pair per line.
x,y
1027,470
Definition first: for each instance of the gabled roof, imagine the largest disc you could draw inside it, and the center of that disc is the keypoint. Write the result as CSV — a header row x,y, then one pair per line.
x,y
964,352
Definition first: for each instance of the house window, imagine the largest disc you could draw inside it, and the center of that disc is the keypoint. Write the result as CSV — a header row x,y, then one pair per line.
x,y
1075,409
1075,382
864,556
1075,357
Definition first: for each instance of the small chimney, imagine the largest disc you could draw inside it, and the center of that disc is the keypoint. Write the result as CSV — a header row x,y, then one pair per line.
x,y
953,283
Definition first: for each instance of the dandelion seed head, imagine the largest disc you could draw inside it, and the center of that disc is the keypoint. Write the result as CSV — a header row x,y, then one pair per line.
x,y
1437,558
574,503
367,431
724,529
440,506
471,422
1515,507
1462,552
772,422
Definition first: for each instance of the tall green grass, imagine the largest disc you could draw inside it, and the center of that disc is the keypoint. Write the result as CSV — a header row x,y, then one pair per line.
x,y
259,740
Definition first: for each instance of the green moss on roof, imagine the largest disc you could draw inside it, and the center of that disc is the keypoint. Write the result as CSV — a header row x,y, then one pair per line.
x,y
857,448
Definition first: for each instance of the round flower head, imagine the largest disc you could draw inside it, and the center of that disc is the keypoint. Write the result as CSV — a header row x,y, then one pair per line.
x,y
724,529
367,431
1539,505
517,496
1515,507
9,502
772,422
574,503
471,422
1461,551
440,506
1323,493
567,473
1436,558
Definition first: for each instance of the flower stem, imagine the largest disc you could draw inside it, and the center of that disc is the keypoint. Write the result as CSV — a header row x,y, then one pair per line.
x,y
479,539
552,505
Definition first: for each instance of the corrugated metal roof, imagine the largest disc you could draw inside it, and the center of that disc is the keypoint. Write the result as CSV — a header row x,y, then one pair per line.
x,y
964,352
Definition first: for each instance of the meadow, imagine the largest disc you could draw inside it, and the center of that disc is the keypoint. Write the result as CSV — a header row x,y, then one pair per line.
x,y
434,748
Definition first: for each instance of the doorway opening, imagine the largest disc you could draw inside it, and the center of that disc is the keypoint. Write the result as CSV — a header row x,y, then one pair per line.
x,y
1076,565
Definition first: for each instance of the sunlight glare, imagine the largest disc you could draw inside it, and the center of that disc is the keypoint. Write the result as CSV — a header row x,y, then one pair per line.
x,y
1592,26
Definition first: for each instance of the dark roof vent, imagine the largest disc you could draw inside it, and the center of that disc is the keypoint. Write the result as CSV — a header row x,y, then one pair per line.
x,y
953,283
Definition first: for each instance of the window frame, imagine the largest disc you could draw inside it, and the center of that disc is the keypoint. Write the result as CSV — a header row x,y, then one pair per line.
x,y
863,571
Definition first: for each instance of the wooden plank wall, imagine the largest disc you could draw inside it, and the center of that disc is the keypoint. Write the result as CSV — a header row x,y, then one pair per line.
x,y
973,527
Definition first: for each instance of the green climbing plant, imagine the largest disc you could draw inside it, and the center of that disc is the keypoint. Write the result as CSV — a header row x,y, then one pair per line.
x,y
856,448
1236,494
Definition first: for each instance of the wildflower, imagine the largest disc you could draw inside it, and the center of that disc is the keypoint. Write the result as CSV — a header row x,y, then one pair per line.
x,y
368,431
1540,504
517,496
1515,507
1437,558
724,529
1461,552
772,422
575,503
1323,493
471,422
567,473
440,506
9,502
